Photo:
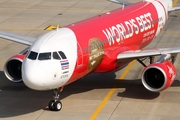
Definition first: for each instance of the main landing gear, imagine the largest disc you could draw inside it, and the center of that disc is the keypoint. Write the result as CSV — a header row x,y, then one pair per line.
x,y
55,105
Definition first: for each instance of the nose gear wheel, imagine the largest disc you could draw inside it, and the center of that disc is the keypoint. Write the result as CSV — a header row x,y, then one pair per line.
x,y
55,105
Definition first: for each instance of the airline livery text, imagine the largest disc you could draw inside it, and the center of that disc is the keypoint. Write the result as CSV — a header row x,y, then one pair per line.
x,y
122,31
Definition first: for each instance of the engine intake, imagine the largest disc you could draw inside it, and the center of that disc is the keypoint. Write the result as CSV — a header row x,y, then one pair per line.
x,y
12,68
158,76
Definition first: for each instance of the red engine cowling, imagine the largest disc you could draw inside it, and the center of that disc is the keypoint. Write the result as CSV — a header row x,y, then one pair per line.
x,y
158,76
12,68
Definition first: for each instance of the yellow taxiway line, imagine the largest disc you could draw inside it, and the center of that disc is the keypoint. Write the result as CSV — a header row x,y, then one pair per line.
x,y
111,91
175,2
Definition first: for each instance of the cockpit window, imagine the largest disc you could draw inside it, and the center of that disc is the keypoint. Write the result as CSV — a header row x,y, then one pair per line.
x,y
62,55
33,55
56,56
44,56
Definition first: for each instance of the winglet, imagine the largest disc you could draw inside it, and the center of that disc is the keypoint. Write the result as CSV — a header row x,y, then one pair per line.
x,y
120,2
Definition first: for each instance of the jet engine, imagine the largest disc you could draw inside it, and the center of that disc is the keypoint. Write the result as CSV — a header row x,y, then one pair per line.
x,y
158,76
12,68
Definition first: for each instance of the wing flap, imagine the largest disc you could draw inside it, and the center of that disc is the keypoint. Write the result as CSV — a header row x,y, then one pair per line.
x,y
17,38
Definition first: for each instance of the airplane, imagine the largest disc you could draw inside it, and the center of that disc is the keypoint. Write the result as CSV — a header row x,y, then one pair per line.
x,y
103,43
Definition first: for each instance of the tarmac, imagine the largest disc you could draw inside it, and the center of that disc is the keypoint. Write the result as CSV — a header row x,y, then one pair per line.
x,y
116,95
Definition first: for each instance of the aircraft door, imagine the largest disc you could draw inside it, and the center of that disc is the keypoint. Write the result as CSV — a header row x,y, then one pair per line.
x,y
79,52
79,56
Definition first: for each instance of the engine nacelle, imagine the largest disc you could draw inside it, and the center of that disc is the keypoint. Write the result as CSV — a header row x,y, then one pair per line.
x,y
12,68
158,76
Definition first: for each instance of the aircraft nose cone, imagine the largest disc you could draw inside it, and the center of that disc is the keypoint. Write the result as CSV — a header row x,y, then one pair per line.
x,y
34,77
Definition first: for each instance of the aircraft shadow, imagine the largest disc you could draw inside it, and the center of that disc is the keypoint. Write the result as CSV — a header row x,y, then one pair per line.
x,y
17,99
130,88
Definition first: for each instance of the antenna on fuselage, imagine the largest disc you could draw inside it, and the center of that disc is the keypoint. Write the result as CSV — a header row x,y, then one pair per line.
x,y
57,28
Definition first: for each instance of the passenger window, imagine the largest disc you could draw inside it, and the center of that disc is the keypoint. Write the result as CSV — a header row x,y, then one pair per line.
x,y
33,55
56,56
63,56
44,56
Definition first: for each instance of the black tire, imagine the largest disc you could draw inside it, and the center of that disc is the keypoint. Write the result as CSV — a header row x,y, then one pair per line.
x,y
57,106
51,105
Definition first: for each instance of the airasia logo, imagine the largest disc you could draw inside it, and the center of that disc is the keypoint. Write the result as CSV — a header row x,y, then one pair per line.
x,y
171,72
125,30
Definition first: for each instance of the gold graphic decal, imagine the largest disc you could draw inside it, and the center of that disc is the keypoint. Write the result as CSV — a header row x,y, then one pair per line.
x,y
96,51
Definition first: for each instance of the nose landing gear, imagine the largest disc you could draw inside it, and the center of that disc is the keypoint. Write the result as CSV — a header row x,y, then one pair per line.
x,y
55,105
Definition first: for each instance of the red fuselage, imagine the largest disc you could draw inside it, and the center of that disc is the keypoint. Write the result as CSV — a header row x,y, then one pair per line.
x,y
101,38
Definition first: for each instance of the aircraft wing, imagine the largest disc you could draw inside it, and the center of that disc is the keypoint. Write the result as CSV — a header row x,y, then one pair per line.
x,y
128,3
137,54
120,2
17,38
174,9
